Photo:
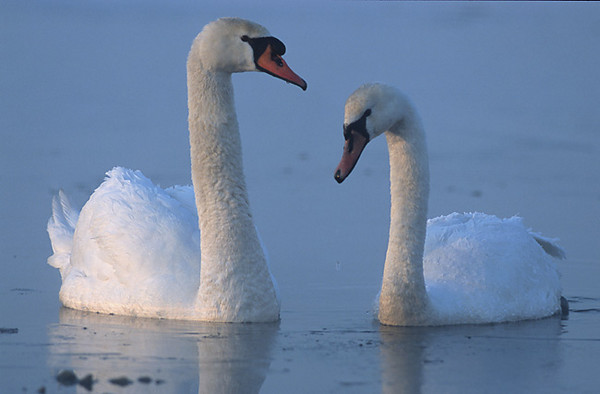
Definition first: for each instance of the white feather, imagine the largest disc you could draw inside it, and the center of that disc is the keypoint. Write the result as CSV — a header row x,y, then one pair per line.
x,y
455,269
135,248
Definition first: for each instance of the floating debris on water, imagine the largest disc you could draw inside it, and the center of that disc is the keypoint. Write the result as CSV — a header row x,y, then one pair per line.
x,y
122,381
9,330
22,290
87,382
148,380
67,377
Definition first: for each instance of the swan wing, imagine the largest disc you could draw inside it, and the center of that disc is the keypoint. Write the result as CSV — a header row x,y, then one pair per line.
x,y
480,268
134,245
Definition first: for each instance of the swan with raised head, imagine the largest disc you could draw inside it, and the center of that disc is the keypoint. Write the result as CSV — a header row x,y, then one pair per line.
x,y
455,269
179,253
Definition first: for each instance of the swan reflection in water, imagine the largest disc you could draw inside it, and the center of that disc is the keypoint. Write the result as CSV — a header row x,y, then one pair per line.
x,y
507,357
176,356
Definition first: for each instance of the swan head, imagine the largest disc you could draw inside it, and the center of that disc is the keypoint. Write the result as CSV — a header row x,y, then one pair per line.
x,y
237,45
370,111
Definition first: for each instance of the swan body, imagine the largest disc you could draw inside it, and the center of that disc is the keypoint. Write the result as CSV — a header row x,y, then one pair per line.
x,y
179,253
455,269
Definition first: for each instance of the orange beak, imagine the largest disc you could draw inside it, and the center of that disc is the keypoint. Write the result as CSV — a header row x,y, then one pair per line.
x,y
353,147
274,64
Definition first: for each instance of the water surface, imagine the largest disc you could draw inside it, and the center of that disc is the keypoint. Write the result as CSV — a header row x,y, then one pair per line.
x,y
508,94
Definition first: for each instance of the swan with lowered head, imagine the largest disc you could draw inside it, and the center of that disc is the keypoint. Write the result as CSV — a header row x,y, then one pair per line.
x,y
455,269
136,249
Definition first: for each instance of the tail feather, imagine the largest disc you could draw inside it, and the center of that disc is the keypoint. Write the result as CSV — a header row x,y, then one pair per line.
x,y
63,211
549,245
61,227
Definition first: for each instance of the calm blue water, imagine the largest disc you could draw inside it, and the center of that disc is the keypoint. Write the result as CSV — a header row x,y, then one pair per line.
x,y
508,94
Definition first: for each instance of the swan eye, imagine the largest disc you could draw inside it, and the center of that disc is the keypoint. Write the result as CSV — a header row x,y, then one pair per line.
x,y
367,113
245,38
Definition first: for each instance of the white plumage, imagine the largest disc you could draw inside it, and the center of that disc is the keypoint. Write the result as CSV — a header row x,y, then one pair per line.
x,y
479,268
455,269
135,249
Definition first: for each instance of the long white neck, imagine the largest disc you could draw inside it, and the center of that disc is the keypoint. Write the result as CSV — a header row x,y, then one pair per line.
x,y
403,299
230,249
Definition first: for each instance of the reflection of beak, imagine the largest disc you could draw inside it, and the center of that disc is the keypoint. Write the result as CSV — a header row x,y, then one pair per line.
x,y
352,149
274,64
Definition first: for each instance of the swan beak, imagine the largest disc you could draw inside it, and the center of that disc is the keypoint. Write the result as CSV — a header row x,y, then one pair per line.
x,y
273,64
353,147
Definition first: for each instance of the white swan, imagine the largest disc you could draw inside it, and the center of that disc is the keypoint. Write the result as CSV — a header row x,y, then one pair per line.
x,y
461,268
135,248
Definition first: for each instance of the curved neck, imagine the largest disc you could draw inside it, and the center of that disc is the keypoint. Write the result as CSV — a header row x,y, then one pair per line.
x,y
403,299
228,238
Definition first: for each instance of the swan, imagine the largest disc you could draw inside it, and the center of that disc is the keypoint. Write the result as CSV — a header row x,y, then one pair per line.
x,y
134,249
458,269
